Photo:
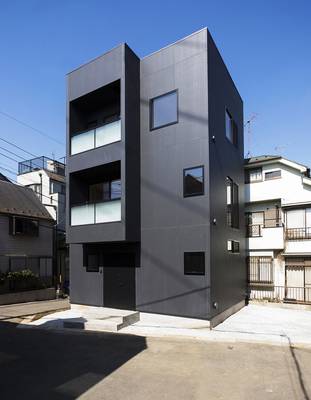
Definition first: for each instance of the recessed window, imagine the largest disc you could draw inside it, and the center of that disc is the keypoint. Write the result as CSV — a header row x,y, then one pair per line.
x,y
194,263
233,212
24,227
194,181
163,110
231,129
273,175
253,175
92,263
105,191
57,187
233,246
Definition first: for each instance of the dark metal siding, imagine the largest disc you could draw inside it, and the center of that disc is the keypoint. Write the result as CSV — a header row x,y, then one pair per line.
x,y
171,224
228,271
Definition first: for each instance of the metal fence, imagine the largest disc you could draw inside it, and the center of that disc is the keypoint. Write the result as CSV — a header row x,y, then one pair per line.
x,y
298,233
253,230
281,294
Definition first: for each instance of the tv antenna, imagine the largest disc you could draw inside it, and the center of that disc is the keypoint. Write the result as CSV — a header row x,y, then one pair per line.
x,y
280,149
248,123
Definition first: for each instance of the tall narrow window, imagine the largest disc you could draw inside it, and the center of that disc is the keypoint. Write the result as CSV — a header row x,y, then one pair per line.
x,y
194,181
163,110
232,203
231,129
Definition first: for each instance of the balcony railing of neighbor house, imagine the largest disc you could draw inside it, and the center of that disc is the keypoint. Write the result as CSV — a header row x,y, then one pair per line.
x,y
101,136
253,230
287,294
298,233
35,164
96,213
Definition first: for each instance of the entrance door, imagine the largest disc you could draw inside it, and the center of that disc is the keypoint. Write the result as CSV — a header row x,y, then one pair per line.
x,y
119,281
295,280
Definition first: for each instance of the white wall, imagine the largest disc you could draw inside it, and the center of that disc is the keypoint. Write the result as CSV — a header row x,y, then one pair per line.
x,y
298,246
289,188
54,203
272,238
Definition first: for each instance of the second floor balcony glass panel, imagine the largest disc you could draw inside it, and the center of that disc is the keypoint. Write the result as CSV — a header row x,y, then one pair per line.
x,y
96,213
101,136
82,214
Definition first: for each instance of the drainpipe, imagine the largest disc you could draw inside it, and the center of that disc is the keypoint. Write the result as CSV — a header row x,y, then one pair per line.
x,y
40,186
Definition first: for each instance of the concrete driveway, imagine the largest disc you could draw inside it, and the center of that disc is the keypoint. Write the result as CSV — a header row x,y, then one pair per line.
x,y
254,323
268,324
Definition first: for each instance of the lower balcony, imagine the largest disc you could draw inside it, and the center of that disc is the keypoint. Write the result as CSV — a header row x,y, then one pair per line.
x,y
96,213
262,238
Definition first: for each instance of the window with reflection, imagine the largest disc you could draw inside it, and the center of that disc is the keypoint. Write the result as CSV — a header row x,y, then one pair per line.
x,y
164,110
194,181
105,191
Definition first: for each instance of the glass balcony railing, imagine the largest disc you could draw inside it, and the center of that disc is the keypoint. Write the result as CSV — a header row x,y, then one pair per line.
x,y
96,213
98,137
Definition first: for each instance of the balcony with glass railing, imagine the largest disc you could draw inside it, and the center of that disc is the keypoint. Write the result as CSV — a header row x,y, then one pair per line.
x,y
101,136
96,213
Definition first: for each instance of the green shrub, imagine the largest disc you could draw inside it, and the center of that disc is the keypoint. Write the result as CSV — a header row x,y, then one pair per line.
x,y
21,280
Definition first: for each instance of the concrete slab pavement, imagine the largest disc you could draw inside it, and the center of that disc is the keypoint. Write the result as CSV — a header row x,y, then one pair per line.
x,y
25,309
254,323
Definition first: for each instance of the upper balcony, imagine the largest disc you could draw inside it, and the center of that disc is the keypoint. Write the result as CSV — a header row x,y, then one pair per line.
x,y
39,163
101,136
95,119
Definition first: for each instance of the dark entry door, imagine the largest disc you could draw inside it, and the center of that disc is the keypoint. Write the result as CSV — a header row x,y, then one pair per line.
x,y
119,281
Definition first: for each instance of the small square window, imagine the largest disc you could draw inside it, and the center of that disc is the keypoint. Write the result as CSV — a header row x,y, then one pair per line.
x,y
233,246
164,110
194,181
194,263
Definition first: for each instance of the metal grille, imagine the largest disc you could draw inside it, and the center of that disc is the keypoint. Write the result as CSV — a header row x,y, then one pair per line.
x,y
260,270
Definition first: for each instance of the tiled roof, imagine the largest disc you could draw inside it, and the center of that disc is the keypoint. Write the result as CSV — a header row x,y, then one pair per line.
x,y
20,200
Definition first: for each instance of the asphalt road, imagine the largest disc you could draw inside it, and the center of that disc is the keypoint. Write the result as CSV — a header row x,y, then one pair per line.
x,y
38,364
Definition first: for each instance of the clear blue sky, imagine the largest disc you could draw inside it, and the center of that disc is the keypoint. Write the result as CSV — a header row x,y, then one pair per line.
x,y
265,44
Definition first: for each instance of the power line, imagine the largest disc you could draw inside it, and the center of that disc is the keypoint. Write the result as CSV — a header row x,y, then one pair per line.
x,y
31,127
20,148
22,158
10,158
11,152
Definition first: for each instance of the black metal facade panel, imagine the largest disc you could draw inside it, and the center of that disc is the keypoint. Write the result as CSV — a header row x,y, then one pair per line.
x,y
95,74
85,287
228,270
170,223
155,212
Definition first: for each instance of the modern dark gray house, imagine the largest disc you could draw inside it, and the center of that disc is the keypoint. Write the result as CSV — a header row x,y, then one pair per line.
x,y
26,232
155,182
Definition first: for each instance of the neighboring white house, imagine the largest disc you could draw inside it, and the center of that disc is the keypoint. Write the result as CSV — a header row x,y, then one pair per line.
x,y
46,177
278,228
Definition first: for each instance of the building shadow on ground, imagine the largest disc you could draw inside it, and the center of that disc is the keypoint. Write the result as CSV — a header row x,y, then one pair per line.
x,y
45,364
